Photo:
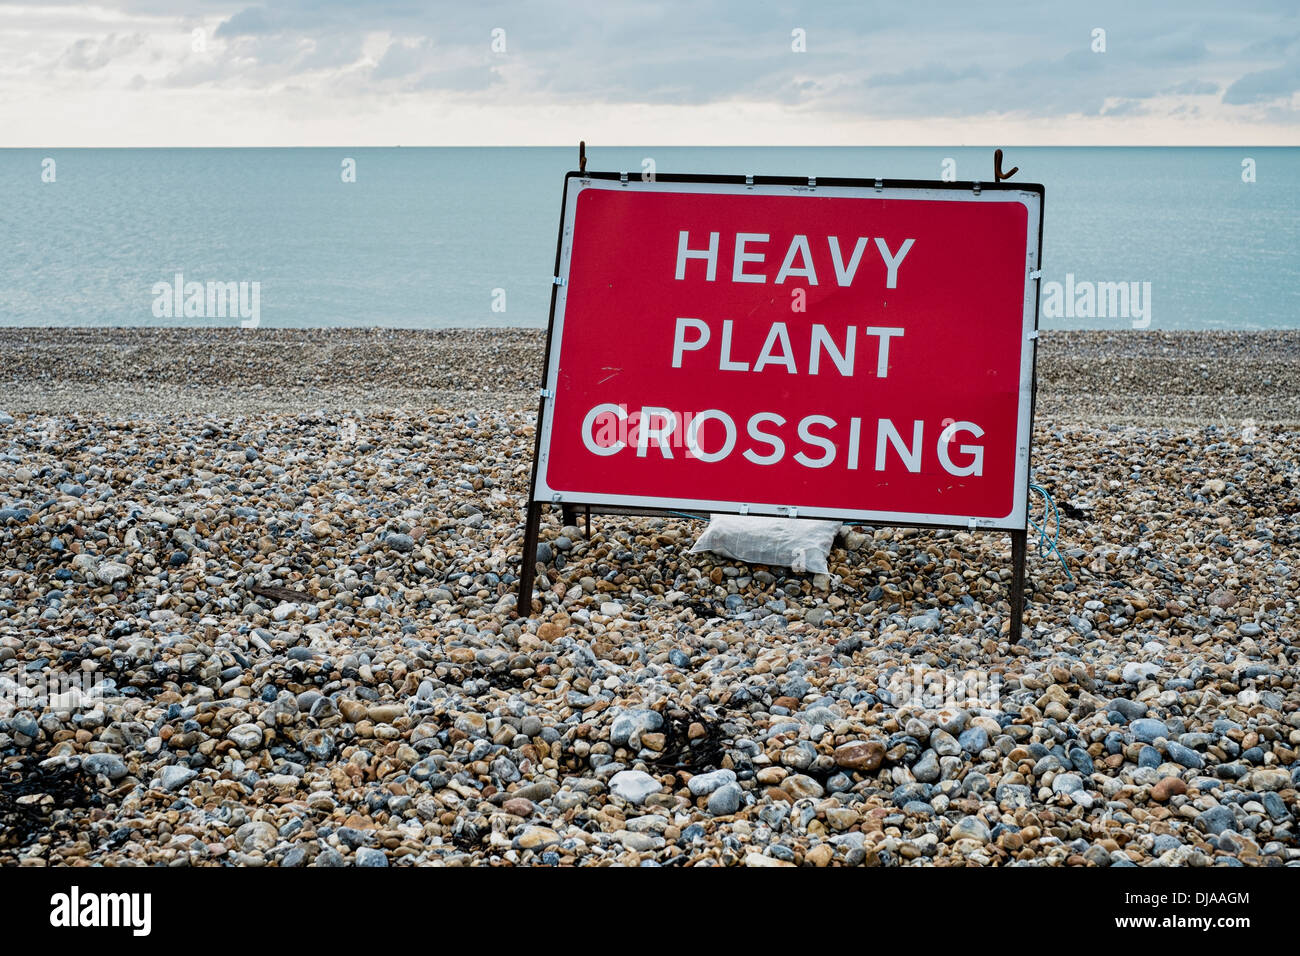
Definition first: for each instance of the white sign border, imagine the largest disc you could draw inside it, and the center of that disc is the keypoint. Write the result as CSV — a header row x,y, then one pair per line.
x,y
1015,520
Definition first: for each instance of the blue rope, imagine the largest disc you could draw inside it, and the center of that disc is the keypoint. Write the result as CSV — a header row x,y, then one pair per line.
x,y
1049,511
682,514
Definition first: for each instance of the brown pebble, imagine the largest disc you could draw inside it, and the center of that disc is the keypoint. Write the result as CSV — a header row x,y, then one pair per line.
x,y
352,710
865,755
518,806
1167,788
820,855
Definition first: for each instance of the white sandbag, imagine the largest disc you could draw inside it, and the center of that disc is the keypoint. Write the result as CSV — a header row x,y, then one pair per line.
x,y
795,543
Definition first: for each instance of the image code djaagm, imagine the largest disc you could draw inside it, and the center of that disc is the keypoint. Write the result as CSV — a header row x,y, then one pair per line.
x,y
735,435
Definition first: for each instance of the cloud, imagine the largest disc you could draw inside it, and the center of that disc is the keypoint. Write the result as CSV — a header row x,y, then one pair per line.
x,y
924,76
1125,107
1272,46
403,58
459,79
91,54
1193,88
940,62
331,52
1174,50
251,21
1265,85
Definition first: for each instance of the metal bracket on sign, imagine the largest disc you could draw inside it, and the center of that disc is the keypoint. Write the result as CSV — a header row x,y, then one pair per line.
x,y
975,186
1033,334
546,393
1036,274
812,182
790,512
622,178
970,524
557,280
555,497
749,180
743,509
880,185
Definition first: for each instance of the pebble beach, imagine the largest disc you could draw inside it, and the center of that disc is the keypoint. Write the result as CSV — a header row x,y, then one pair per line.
x,y
257,607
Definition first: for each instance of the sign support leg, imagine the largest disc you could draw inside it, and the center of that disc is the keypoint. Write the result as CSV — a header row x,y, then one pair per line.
x,y
528,570
1019,545
569,516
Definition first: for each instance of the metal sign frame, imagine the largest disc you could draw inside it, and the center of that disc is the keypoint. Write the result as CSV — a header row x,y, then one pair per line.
x,y
539,493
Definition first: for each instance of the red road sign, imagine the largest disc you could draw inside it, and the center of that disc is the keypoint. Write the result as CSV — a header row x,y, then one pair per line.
x,y
855,351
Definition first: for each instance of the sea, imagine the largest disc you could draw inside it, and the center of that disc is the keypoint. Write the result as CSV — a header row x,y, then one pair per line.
x,y
1205,238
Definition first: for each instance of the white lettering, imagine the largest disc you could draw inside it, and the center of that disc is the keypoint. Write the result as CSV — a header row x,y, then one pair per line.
x,y
892,262
587,439
842,275
738,273
976,467
680,344
827,446
646,430
684,253
778,446
843,360
725,364
798,245
693,435
911,456
765,358
882,360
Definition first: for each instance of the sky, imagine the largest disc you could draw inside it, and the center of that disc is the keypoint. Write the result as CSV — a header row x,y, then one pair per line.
x,y
698,72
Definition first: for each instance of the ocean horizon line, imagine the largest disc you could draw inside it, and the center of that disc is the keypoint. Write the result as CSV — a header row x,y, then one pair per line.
x,y
597,146
435,236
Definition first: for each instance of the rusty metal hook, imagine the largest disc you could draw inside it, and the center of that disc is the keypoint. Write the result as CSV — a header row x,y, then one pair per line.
x,y
582,156
998,174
